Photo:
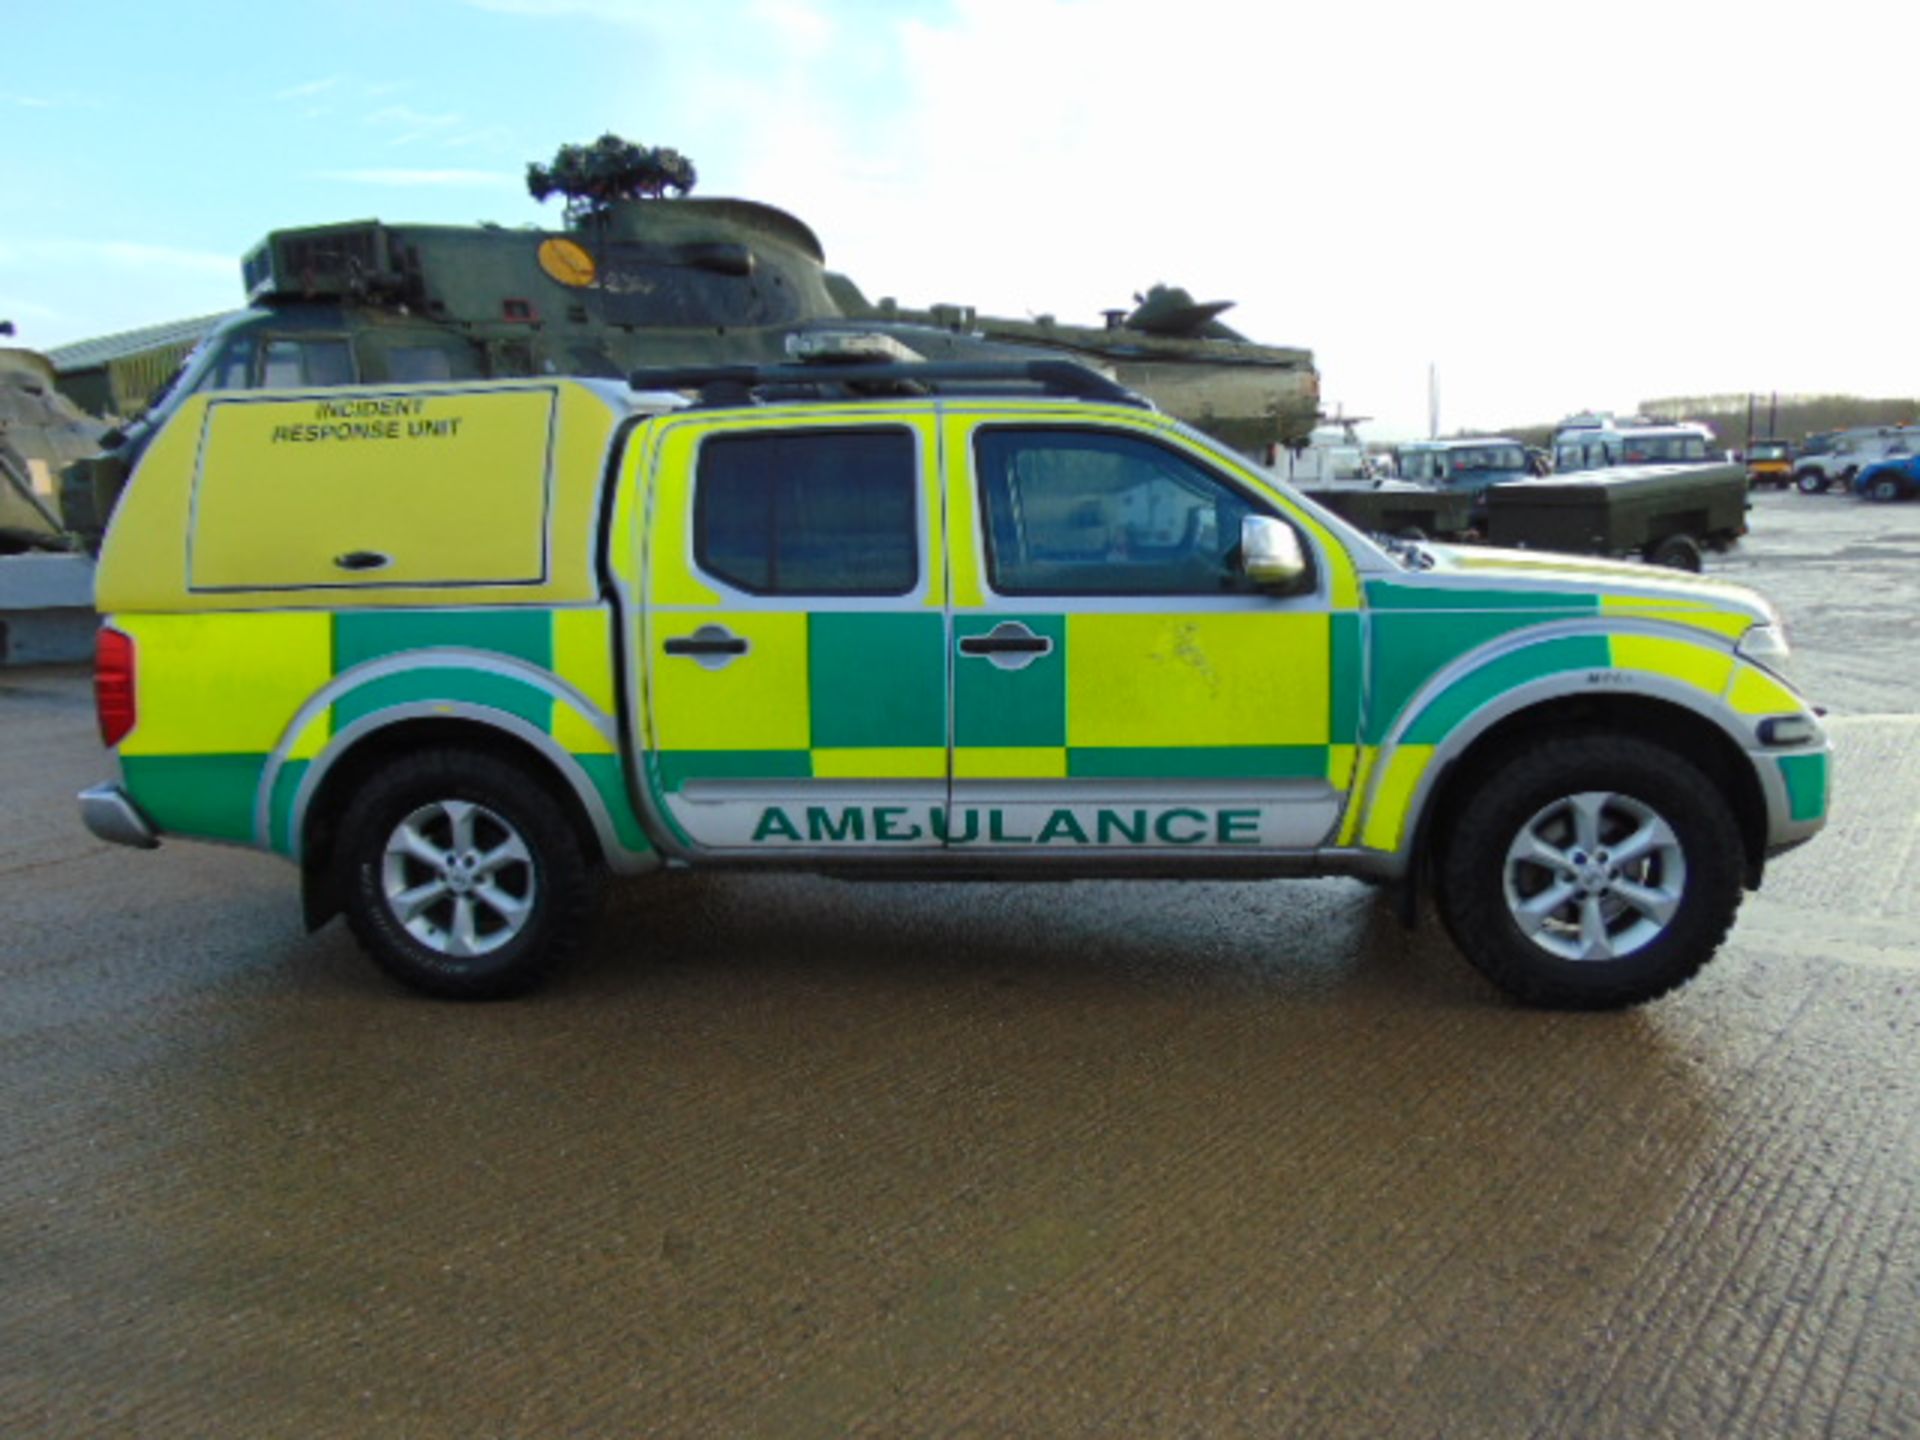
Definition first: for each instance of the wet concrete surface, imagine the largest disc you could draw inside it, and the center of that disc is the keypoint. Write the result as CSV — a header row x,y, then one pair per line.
x,y
792,1157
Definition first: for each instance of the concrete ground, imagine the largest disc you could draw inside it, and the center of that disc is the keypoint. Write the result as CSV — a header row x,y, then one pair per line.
x,y
791,1157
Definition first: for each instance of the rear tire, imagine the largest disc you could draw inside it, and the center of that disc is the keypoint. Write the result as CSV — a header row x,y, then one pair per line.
x,y
464,877
1591,872
1676,552
1811,482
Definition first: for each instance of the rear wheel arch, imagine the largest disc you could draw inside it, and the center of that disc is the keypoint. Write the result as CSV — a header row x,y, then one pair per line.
x,y
384,746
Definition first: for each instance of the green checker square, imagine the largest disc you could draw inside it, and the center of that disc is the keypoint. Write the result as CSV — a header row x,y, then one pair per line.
x,y
1346,682
286,785
1409,646
206,795
1806,777
877,680
1024,708
362,635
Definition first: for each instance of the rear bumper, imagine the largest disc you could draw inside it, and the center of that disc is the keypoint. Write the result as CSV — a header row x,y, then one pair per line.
x,y
109,814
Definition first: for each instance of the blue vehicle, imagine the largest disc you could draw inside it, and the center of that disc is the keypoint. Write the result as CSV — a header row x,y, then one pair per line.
x,y
1895,478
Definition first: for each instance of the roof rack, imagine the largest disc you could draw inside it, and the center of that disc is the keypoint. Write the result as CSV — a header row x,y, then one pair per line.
x,y
754,384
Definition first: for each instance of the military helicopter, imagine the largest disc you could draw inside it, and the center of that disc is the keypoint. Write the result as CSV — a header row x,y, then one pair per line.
x,y
639,277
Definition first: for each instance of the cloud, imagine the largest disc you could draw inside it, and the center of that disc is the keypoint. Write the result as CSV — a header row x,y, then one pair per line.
x,y
486,135
410,126
619,12
802,28
447,179
49,102
12,307
308,90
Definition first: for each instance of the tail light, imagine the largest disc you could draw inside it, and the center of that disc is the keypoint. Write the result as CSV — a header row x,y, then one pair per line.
x,y
113,685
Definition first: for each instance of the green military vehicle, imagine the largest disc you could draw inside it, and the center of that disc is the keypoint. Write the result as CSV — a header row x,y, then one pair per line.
x,y
1393,507
659,281
1666,514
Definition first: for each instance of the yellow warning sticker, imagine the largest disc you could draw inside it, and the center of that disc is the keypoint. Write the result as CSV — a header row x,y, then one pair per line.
x,y
566,262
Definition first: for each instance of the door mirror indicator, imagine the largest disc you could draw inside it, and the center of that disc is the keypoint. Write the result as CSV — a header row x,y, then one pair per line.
x,y
1270,553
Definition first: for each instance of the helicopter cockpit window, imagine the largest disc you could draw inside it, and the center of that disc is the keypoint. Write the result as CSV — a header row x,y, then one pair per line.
x,y
285,363
408,364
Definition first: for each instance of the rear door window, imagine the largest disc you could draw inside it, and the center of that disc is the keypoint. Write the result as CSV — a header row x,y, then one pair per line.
x,y
809,512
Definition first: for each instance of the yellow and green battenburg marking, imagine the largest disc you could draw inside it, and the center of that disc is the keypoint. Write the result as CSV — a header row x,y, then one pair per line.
x,y
864,695
1417,631
200,752
836,694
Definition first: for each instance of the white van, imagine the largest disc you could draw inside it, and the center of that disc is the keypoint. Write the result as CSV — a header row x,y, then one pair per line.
x,y
1597,441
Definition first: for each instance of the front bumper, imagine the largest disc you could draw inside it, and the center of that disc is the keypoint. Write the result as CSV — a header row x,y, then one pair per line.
x,y
109,814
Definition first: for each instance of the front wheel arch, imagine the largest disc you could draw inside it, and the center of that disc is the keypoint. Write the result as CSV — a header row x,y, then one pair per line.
x,y
1685,732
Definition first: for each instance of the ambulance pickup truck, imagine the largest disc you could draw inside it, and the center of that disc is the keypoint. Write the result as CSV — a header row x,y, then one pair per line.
x,y
460,651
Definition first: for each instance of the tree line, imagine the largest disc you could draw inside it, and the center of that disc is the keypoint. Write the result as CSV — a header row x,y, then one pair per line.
x,y
1792,417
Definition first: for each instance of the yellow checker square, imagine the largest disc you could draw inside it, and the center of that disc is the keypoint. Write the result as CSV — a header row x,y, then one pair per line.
x,y
223,684
1387,814
1695,614
1200,678
1340,765
968,577
1695,665
755,701
1364,758
583,657
670,576
903,762
1754,692
1010,762
576,733
313,736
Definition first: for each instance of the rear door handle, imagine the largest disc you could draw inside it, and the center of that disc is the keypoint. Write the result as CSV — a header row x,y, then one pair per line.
x,y
1005,645
711,646
363,560
1008,646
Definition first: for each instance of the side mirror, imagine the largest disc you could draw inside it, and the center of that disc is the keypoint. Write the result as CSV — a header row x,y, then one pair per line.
x,y
1270,553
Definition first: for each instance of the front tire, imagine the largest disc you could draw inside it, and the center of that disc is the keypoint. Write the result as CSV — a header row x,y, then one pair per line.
x,y
1591,872
464,877
1884,488
1811,482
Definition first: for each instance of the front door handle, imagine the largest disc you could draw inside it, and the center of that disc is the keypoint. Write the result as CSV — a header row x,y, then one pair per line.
x,y
1008,646
711,646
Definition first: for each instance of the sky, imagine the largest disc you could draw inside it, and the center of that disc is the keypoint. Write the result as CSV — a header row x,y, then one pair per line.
x,y
1555,206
